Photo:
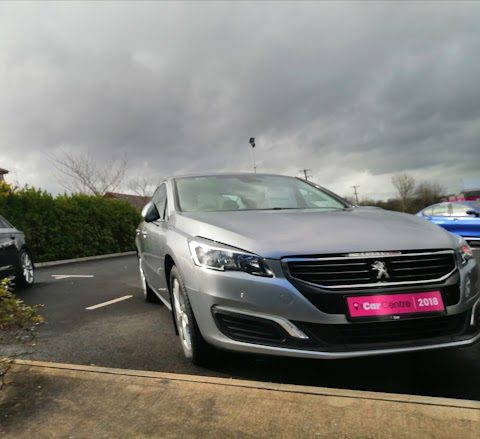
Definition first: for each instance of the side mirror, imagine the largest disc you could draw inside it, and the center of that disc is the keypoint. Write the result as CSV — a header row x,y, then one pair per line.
x,y
472,212
150,213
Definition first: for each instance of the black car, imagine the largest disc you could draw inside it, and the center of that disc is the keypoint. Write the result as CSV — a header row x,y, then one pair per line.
x,y
15,260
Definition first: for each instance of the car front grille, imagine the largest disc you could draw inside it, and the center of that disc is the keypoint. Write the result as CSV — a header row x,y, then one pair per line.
x,y
344,271
386,332
345,337
334,302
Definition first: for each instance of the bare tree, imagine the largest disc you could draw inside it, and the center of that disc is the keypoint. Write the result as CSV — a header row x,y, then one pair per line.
x,y
405,185
81,173
350,199
143,186
429,193
368,202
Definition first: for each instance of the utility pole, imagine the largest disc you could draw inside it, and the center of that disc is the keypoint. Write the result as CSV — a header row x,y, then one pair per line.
x,y
355,192
305,173
252,142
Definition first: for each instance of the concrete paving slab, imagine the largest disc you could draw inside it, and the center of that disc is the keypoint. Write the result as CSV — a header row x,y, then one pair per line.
x,y
64,401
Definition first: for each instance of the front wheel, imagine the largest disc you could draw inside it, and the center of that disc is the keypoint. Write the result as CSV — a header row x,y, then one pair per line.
x,y
195,348
25,276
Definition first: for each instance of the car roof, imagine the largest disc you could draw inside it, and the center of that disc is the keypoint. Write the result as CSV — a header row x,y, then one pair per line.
x,y
446,203
450,202
469,202
227,174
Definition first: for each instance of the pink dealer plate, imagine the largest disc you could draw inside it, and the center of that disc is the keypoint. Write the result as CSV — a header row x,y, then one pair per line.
x,y
394,304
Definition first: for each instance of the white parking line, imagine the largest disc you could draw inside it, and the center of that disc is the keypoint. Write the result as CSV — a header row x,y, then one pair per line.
x,y
65,276
109,302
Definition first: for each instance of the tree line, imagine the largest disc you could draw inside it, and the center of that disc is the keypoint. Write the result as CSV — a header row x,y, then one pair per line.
x,y
412,196
80,173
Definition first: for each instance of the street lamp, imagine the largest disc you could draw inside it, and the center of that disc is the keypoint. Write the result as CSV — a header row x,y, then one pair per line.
x,y
252,142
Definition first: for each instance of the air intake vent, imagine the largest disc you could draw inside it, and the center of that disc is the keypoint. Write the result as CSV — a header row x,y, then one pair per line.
x,y
387,332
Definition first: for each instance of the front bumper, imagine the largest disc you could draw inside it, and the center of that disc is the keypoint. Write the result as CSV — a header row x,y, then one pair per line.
x,y
272,316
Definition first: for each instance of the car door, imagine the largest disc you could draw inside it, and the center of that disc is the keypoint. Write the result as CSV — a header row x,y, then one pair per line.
x,y
153,244
8,249
465,224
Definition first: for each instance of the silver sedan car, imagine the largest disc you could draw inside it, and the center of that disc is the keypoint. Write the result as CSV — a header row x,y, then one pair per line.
x,y
270,264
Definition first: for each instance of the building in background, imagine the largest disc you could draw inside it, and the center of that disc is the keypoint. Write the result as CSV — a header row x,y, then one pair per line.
x,y
470,192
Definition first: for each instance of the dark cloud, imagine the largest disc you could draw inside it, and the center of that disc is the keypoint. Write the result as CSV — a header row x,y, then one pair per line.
x,y
354,92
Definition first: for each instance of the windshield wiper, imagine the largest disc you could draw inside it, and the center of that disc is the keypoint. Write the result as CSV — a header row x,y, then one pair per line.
x,y
306,208
282,208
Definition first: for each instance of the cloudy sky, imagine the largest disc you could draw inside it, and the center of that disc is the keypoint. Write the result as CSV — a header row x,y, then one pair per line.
x,y
355,92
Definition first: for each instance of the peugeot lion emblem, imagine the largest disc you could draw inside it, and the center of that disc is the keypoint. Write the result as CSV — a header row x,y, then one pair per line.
x,y
381,269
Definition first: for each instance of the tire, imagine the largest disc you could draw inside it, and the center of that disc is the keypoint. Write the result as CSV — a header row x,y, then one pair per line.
x,y
148,294
25,277
195,348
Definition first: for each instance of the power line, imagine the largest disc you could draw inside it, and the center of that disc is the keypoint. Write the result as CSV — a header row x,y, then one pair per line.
x,y
355,192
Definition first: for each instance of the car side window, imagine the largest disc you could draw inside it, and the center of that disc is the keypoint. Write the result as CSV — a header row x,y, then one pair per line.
x,y
441,210
460,209
428,212
160,200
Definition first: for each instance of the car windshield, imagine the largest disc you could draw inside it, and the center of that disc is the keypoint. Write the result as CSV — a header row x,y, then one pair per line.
x,y
251,192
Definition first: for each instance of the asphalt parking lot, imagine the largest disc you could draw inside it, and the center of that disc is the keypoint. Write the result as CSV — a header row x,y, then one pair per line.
x,y
97,316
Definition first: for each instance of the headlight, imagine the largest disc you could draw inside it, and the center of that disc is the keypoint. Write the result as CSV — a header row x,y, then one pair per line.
x,y
222,257
464,252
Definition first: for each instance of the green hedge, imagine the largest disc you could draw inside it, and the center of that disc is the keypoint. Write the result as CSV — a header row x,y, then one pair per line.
x,y
69,226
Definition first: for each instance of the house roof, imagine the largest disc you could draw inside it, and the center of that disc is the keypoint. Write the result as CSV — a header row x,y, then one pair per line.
x,y
135,200
3,171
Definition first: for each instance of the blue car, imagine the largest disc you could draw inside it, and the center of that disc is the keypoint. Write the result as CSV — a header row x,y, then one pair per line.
x,y
459,217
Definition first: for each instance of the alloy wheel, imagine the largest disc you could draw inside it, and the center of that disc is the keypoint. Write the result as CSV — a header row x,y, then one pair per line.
x,y
27,268
181,317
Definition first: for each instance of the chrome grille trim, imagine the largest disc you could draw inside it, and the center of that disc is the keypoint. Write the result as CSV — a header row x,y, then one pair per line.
x,y
344,258
287,325
368,259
